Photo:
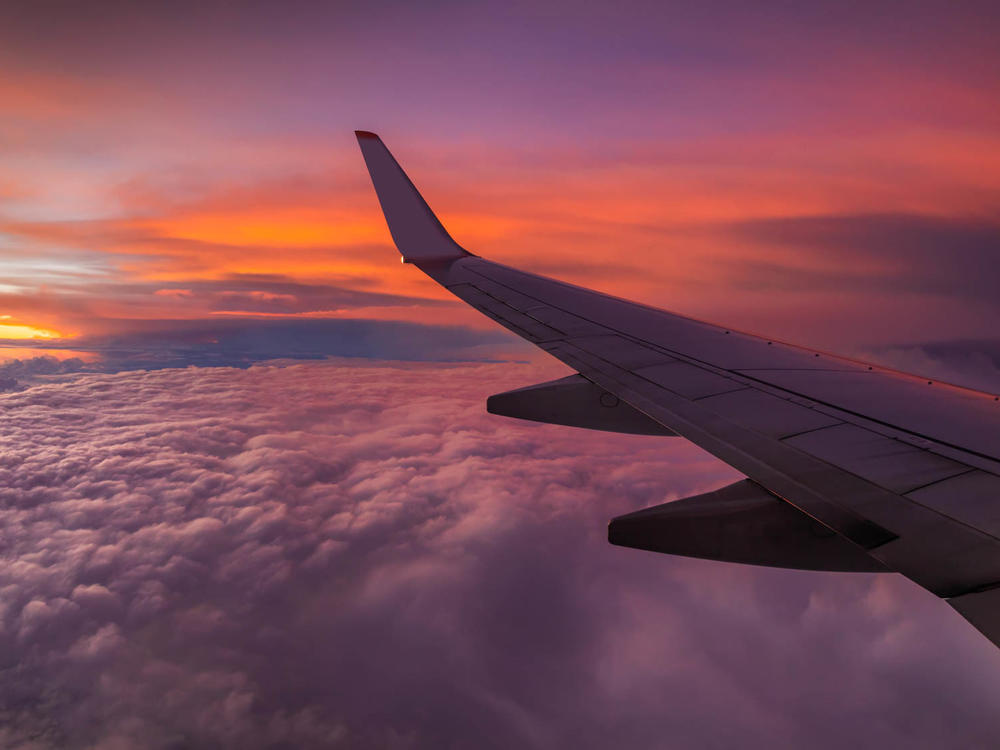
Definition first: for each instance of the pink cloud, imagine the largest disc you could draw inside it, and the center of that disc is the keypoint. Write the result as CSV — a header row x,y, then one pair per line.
x,y
319,554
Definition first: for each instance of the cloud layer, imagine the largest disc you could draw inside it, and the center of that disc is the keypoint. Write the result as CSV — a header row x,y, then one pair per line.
x,y
328,556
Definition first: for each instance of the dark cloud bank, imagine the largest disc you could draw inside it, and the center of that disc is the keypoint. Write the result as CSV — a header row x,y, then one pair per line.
x,y
327,556
241,342
949,257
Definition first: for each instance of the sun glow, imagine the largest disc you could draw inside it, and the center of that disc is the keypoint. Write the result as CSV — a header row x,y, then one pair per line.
x,y
16,331
281,228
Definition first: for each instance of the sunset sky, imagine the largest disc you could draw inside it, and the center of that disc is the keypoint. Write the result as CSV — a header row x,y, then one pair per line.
x,y
180,186
827,175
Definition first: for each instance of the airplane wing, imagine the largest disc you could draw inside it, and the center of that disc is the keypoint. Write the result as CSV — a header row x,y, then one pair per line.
x,y
849,466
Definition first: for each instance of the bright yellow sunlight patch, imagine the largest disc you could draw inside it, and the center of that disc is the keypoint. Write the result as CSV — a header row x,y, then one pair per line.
x,y
14,331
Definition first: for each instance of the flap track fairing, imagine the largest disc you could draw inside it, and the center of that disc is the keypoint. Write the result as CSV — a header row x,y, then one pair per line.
x,y
575,402
742,523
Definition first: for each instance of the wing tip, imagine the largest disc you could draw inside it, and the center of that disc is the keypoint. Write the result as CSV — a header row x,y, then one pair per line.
x,y
415,229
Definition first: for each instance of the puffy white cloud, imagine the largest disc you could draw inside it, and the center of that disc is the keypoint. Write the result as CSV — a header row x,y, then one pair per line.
x,y
322,555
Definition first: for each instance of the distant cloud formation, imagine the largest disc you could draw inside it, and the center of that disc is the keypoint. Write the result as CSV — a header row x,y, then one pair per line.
x,y
241,342
17,374
946,256
321,555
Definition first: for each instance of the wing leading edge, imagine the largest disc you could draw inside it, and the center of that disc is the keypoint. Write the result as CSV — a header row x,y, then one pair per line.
x,y
897,472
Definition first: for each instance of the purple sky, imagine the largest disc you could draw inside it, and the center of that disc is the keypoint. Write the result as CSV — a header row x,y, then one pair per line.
x,y
209,542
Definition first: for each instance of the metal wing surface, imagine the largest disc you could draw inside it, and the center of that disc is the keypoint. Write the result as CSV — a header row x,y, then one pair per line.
x,y
850,466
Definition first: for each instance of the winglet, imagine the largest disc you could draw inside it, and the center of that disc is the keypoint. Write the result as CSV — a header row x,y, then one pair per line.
x,y
415,229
